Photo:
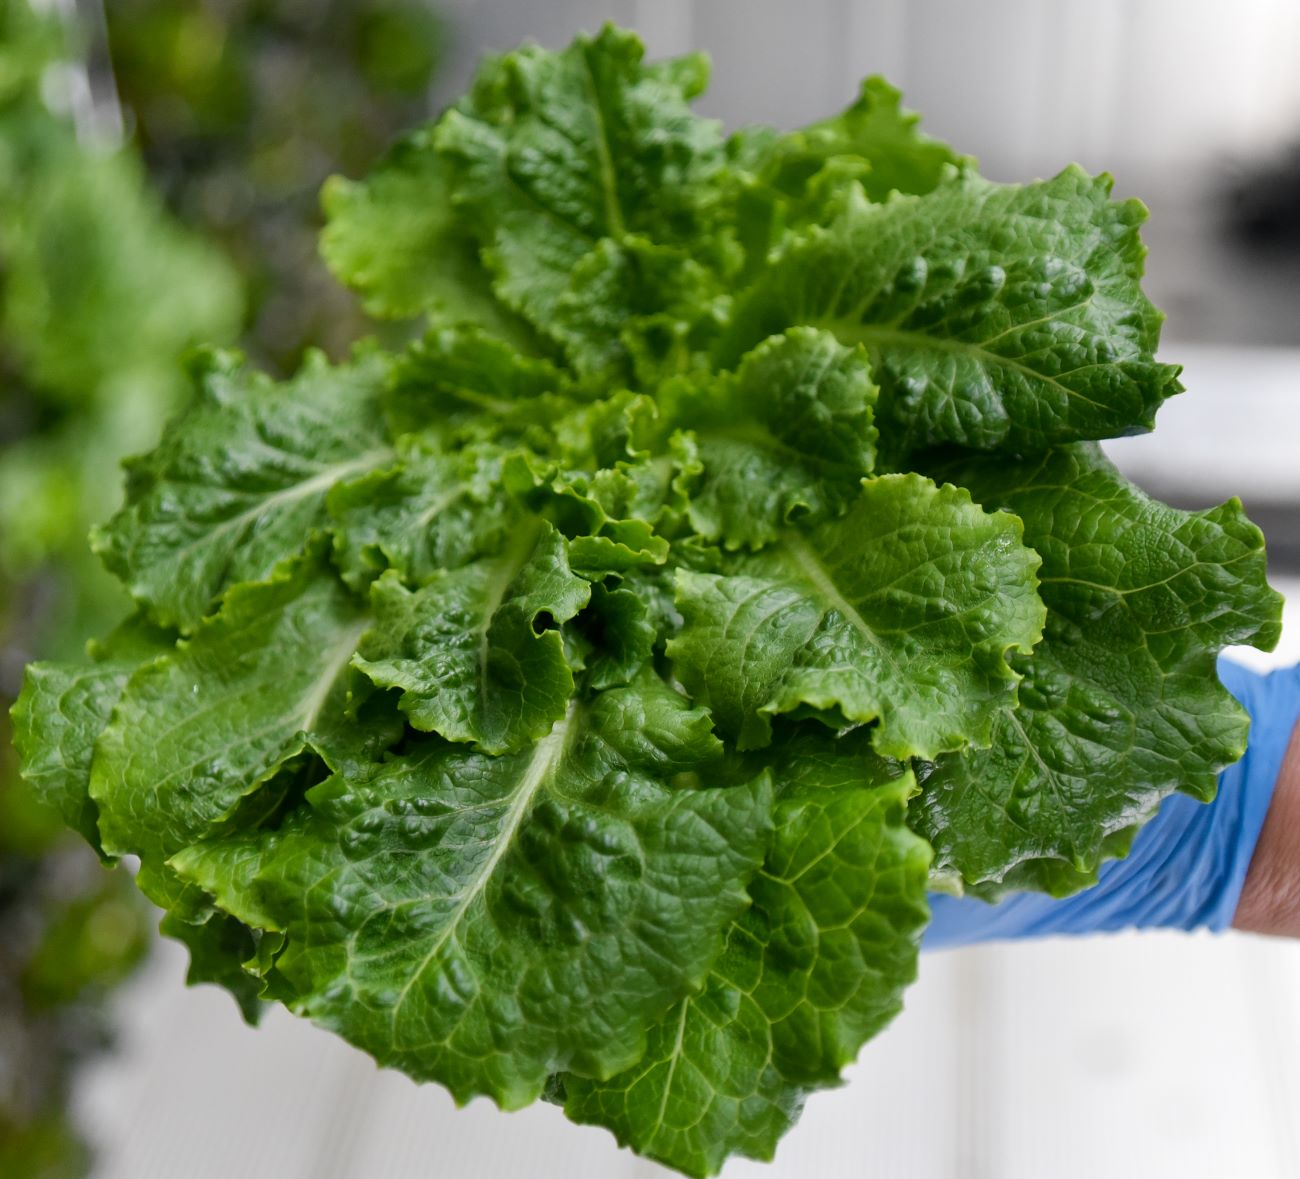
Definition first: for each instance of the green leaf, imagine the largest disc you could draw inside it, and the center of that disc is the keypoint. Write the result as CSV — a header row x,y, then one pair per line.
x,y
218,945
432,510
785,183
553,152
611,435
995,316
60,713
239,482
901,612
484,922
619,637
475,653
197,731
635,311
1120,704
604,516
396,239
815,968
458,378
875,129
787,437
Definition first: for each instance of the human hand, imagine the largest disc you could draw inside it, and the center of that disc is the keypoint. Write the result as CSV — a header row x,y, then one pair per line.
x,y
1189,866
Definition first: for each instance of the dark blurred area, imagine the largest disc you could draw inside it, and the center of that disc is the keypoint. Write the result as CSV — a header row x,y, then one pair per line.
x,y
71,932
1262,202
242,108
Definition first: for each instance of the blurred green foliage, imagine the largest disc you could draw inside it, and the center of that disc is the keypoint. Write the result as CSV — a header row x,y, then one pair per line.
x,y
100,294
70,931
114,260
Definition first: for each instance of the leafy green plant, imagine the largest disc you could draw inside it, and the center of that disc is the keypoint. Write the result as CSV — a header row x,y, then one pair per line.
x,y
580,702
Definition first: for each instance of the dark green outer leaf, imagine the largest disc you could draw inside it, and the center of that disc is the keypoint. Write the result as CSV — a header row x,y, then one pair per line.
x,y
218,945
901,612
811,971
197,731
484,922
238,483
1120,704
996,316
61,712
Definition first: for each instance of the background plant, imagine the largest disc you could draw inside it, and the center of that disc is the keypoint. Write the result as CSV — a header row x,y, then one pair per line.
x,y
102,289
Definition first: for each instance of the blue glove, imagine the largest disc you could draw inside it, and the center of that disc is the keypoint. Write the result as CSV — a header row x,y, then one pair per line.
x,y
1187,866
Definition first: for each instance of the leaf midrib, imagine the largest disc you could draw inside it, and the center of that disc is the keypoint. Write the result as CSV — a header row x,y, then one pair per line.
x,y
504,571
614,222
340,656
814,574
547,754
323,480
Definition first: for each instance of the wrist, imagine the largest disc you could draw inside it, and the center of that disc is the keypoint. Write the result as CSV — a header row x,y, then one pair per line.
x,y
1270,898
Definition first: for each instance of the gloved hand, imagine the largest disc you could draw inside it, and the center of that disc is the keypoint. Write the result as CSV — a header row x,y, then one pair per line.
x,y
1187,866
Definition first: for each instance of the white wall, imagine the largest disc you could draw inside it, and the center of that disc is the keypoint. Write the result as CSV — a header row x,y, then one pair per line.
x,y
1145,88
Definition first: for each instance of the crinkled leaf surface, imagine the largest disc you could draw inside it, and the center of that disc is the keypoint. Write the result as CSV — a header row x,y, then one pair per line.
x,y
617,636
635,310
476,653
239,482
553,152
197,731
785,183
996,316
396,239
430,511
876,130
810,972
788,437
604,517
487,921
1120,704
462,380
901,612
61,712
